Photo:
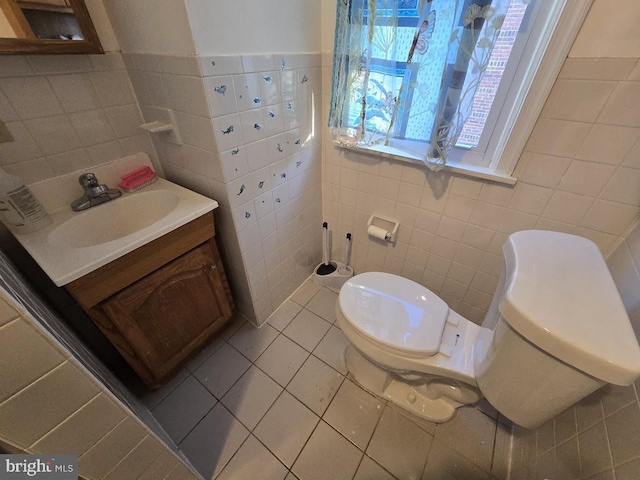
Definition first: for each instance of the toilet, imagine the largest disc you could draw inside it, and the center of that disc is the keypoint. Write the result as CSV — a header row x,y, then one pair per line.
x,y
556,331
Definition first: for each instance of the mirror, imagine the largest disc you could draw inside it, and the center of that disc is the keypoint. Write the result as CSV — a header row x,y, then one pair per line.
x,y
46,27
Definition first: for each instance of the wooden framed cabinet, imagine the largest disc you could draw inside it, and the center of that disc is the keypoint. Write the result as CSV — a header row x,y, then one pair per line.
x,y
161,303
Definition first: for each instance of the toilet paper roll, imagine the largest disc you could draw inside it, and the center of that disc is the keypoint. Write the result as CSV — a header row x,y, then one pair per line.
x,y
380,233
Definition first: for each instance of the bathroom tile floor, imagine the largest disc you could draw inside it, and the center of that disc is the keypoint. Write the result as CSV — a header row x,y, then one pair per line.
x,y
276,403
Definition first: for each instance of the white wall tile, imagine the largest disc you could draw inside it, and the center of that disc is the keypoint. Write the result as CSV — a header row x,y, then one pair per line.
x,y
23,417
173,64
621,107
211,65
113,88
597,68
545,170
7,113
625,275
609,217
92,127
68,162
53,134
194,96
586,178
608,144
579,100
43,64
567,207
197,131
557,137
83,429
624,187
15,66
31,97
23,147
257,63
25,357
125,120
111,449
146,62
75,92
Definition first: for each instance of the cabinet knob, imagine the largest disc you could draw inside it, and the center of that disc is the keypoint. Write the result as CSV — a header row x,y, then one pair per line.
x,y
213,267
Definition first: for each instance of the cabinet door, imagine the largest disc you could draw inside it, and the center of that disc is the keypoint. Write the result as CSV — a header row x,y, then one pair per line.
x,y
169,313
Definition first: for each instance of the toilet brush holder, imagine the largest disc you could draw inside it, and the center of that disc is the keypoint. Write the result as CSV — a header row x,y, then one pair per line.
x,y
335,279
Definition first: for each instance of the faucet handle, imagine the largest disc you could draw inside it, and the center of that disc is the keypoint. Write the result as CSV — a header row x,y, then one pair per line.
x,y
88,180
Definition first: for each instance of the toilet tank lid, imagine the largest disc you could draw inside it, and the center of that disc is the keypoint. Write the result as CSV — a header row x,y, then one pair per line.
x,y
560,296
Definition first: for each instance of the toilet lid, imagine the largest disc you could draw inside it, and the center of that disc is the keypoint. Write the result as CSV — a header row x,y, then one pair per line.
x,y
394,312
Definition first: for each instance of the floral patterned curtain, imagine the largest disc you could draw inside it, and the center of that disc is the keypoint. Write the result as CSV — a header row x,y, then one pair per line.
x,y
406,71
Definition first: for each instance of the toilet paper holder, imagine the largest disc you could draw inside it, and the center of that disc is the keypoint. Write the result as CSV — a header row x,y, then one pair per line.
x,y
389,225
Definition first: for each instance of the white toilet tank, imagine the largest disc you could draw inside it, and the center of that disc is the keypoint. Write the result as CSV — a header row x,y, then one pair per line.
x,y
556,329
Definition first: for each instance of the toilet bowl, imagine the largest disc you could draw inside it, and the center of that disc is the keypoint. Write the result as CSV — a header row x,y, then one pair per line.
x,y
556,331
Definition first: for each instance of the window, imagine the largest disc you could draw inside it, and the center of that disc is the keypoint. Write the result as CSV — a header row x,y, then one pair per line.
x,y
447,82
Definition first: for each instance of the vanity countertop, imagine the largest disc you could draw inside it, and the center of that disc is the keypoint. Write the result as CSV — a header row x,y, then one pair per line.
x,y
77,243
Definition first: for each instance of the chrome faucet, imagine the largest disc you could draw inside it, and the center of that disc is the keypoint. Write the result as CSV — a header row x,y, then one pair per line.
x,y
94,193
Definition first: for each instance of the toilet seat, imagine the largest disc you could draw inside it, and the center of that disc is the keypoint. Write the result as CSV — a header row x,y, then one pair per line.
x,y
407,346
394,313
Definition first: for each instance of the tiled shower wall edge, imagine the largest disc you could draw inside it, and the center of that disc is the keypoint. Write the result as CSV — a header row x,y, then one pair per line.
x,y
251,140
50,402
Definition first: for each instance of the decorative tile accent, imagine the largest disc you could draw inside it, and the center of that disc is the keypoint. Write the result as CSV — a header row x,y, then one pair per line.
x,y
244,215
261,180
240,191
270,87
234,164
228,132
273,119
247,90
221,95
253,125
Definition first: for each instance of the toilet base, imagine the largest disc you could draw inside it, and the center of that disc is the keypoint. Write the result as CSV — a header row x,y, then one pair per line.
x,y
421,396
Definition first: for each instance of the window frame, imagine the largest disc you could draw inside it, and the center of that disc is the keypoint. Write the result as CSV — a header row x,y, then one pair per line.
x,y
528,94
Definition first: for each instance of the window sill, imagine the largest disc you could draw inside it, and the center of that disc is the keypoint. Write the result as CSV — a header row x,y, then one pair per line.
x,y
405,157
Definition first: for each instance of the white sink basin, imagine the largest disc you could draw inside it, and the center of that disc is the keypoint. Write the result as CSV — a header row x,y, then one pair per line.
x,y
77,243
114,220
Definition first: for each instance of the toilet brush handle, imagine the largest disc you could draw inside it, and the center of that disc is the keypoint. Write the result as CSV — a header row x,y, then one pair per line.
x,y
325,243
347,253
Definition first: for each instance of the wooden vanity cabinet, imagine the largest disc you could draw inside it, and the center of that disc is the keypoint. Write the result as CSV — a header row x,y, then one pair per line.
x,y
161,303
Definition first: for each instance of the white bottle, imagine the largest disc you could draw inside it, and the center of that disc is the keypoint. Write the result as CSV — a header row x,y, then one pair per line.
x,y
20,211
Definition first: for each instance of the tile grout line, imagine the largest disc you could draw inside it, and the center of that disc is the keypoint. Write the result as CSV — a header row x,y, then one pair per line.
x,y
283,390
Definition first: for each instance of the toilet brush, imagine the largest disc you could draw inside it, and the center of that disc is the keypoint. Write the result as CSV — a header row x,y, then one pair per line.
x,y
326,267
347,256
